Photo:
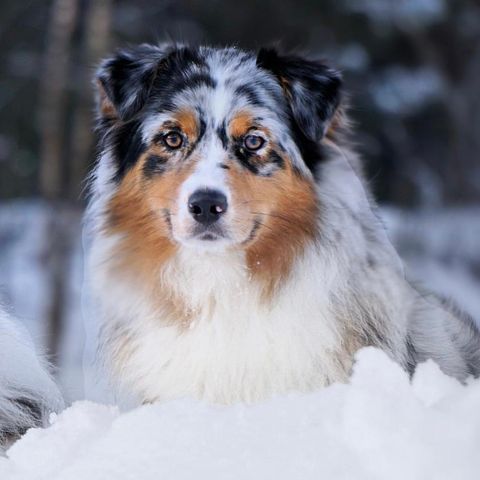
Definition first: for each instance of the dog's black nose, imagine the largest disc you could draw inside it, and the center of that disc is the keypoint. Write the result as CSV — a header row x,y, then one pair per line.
x,y
207,206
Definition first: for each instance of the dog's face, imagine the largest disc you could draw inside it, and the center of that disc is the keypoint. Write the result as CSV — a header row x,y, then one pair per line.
x,y
214,148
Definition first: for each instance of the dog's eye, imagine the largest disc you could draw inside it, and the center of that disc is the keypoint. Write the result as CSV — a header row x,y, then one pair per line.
x,y
173,140
253,142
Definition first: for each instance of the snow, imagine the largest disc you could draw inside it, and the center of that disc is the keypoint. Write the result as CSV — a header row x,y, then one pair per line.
x,y
378,426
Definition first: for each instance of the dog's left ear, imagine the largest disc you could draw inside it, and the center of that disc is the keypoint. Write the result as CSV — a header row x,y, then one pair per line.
x,y
312,89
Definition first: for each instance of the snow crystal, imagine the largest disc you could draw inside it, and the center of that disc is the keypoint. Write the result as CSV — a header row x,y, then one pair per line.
x,y
379,426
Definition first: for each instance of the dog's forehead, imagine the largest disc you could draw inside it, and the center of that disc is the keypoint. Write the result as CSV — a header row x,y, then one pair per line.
x,y
220,83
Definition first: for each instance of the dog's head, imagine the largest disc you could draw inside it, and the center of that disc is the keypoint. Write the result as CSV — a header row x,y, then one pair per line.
x,y
214,148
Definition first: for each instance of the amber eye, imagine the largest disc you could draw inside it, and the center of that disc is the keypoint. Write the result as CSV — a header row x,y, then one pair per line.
x,y
253,142
173,140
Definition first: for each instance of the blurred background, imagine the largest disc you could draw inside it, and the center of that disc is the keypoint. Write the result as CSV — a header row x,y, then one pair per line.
x,y
411,67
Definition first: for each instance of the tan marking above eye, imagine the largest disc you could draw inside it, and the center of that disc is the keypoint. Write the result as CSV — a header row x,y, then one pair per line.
x,y
244,125
187,121
240,124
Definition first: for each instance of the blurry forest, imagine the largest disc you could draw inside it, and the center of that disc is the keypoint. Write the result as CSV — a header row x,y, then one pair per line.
x,y
411,68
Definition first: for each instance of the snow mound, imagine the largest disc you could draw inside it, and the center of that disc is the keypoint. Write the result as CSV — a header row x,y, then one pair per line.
x,y
380,426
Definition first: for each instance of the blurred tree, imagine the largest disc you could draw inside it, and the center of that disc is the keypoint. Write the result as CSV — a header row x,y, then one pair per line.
x,y
53,97
411,66
66,130
96,41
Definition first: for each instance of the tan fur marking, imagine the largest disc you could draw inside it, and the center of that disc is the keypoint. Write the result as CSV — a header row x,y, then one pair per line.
x,y
137,211
187,121
286,207
104,104
240,124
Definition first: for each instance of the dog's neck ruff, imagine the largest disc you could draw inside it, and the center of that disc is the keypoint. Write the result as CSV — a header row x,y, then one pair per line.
x,y
213,336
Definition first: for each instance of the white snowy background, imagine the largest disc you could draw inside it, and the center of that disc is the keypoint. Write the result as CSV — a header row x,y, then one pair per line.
x,y
380,426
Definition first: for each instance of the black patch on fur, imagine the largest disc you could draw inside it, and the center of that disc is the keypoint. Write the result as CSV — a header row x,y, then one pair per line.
x,y
193,81
275,158
246,158
222,135
154,165
412,356
127,145
250,92
312,92
202,128
311,151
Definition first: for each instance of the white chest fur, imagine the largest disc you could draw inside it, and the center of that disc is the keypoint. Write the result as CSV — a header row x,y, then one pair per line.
x,y
235,347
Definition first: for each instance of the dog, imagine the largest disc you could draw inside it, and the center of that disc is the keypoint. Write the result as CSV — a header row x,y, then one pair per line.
x,y
28,394
236,251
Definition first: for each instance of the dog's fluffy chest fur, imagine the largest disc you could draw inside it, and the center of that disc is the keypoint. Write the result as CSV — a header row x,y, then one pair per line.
x,y
232,345
236,253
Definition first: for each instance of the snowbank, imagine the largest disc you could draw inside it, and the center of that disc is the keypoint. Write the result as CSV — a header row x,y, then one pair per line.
x,y
380,426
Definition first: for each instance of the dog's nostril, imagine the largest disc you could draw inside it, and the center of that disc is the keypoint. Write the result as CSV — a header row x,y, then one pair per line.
x,y
206,206
195,209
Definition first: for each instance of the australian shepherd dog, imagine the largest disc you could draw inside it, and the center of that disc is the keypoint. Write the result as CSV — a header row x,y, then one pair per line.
x,y
236,251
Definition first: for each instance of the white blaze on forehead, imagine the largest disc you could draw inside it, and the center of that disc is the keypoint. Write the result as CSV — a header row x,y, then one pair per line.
x,y
221,100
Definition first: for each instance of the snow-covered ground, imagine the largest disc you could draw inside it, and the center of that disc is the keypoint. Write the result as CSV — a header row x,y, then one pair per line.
x,y
380,426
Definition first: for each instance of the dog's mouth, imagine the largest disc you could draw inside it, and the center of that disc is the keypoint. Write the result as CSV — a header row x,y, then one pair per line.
x,y
214,235
210,233
208,237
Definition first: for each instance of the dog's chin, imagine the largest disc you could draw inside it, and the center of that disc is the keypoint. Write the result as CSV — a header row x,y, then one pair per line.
x,y
206,242
214,238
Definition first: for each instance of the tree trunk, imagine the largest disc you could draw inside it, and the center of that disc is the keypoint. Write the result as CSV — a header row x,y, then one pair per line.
x,y
52,129
95,45
53,96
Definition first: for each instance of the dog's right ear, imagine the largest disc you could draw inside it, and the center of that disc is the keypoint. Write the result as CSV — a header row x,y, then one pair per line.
x,y
124,81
